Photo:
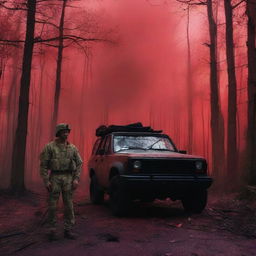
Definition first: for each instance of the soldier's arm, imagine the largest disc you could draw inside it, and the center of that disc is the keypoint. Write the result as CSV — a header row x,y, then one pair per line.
x,y
45,157
79,162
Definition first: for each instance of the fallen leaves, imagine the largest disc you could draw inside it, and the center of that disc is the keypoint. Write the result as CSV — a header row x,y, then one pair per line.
x,y
179,225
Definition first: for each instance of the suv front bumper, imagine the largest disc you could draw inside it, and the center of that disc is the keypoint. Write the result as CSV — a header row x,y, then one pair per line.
x,y
164,185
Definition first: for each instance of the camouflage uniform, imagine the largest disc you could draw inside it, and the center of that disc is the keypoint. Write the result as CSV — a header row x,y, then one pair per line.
x,y
64,163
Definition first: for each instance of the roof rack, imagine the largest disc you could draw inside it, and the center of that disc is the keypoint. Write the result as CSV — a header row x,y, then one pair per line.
x,y
103,130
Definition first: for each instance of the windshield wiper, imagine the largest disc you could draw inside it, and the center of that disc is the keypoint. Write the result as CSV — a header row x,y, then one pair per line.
x,y
131,148
151,146
162,149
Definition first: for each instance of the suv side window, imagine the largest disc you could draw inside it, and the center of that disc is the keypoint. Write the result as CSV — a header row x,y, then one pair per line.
x,y
95,147
107,145
101,146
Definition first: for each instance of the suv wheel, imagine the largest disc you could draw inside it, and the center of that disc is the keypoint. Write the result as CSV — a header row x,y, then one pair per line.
x,y
120,201
96,194
195,202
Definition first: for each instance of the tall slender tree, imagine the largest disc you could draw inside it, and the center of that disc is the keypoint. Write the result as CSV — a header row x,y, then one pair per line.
x,y
232,155
251,116
17,184
189,86
59,64
62,38
217,123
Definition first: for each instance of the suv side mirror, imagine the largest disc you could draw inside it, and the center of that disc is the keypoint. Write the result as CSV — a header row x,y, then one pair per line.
x,y
182,151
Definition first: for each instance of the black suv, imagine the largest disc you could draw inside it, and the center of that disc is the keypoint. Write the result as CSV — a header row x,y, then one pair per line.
x,y
134,162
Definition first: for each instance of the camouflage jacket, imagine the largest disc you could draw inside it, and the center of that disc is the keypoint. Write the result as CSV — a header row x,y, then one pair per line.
x,y
60,157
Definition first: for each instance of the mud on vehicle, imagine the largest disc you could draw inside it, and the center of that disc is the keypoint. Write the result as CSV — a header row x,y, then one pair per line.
x,y
134,162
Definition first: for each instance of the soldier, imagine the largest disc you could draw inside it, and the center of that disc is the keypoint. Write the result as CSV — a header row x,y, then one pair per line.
x,y
63,161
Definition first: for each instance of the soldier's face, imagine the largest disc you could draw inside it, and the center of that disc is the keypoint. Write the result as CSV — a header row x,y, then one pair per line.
x,y
64,134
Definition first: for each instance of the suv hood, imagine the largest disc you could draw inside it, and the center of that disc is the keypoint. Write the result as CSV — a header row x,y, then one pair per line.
x,y
154,154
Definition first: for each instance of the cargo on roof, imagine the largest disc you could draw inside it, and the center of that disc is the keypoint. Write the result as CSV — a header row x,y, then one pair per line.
x,y
103,130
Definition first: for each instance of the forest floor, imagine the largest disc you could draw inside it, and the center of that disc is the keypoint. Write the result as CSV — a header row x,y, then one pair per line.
x,y
226,227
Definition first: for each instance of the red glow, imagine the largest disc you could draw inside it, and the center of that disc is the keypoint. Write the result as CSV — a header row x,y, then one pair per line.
x,y
141,76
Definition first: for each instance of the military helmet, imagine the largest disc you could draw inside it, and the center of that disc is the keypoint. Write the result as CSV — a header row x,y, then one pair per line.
x,y
61,127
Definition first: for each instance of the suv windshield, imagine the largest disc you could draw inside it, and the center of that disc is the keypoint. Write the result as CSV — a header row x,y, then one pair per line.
x,y
142,142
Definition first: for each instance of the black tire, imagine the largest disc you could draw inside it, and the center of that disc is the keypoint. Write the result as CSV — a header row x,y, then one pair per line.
x,y
195,202
120,201
96,194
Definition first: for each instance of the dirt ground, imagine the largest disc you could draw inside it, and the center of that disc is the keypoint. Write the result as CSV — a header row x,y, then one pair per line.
x,y
226,227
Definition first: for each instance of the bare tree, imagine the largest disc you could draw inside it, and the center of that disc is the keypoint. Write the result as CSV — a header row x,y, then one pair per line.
x,y
217,122
63,41
251,116
189,87
59,64
232,93
17,184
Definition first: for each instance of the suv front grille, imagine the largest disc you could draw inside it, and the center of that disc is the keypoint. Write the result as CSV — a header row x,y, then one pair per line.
x,y
168,166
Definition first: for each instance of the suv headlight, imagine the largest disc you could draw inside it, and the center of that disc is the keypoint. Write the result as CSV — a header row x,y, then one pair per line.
x,y
137,164
199,165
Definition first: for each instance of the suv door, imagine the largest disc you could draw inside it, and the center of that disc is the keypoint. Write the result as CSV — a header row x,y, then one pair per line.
x,y
106,161
93,158
99,162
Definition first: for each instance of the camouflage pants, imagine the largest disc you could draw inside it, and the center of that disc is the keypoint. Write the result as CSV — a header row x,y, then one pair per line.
x,y
61,183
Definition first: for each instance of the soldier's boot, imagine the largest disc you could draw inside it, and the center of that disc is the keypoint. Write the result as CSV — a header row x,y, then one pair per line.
x,y
52,236
70,235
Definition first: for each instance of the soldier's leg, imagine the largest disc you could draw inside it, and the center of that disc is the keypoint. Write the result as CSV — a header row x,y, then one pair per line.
x,y
67,194
53,200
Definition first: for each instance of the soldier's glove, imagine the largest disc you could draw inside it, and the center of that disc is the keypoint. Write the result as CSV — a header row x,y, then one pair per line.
x,y
75,184
49,186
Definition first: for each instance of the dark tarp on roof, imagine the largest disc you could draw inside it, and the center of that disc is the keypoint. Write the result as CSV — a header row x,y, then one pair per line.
x,y
135,127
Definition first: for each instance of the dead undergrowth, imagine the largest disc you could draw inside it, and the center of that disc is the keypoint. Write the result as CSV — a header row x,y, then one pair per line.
x,y
235,212
22,218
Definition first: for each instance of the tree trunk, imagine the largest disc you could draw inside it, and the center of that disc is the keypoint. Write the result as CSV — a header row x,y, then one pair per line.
x,y
251,116
232,98
12,110
59,66
217,124
40,103
19,149
189,90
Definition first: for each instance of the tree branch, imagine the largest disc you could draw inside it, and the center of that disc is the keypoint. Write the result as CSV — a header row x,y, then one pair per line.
x,y
51,45
73,38
236,5
69,37
192,2
54,25
6,41
2,4
10,44
207,45
47,22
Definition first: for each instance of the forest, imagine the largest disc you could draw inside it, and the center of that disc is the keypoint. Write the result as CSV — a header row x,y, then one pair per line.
x,y
187,67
